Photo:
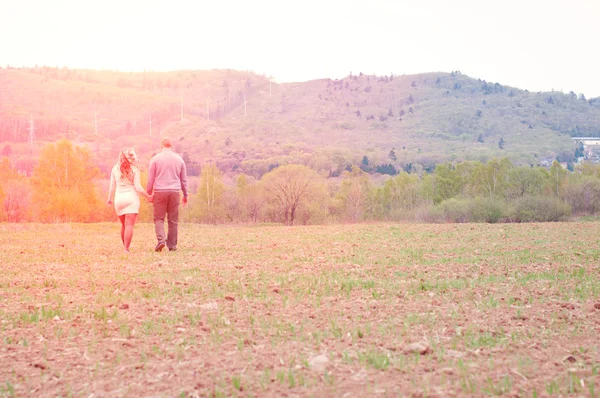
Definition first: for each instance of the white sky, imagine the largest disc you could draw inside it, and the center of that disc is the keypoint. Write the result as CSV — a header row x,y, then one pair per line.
x,y
538,45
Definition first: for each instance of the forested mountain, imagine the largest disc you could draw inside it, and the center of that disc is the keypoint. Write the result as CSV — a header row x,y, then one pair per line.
x,y
245,123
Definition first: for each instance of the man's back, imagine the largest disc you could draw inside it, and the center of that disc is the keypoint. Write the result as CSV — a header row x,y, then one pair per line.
x,y
167,173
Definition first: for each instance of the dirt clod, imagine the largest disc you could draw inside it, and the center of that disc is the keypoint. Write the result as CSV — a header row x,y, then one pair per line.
x,y
570,358
569,306
319,363
417,348
212,306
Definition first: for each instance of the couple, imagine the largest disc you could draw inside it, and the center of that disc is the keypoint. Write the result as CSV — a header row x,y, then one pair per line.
x,y
166,177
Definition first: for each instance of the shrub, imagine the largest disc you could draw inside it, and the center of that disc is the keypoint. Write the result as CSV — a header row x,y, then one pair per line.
x,y
425,214
453,210
466,210
539,209
313,213
584,195
524,209
488,210
344,126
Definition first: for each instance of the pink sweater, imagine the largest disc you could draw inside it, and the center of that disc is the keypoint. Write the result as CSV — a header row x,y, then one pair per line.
x,y
167,173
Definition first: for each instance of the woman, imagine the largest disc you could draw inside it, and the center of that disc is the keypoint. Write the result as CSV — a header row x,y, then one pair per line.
x,y
126,187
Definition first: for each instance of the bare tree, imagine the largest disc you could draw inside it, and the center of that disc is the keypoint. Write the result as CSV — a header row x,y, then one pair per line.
x,y
17,196
290,187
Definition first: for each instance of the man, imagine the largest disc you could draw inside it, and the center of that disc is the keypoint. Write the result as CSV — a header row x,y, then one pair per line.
x,y
166,177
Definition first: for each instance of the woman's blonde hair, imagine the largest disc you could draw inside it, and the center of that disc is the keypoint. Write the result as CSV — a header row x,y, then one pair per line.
x,y
127,159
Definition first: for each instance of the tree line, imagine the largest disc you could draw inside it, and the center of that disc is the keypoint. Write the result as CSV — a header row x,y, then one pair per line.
x,y
66,186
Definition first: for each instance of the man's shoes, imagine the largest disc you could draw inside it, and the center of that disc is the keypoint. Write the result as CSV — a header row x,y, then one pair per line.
x,y
159,246
172,249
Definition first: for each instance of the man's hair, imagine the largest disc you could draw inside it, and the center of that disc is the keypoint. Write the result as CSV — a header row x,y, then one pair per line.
x,y
166,142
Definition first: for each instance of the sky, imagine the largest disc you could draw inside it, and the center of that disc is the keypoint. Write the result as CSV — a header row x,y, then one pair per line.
x,y
539,45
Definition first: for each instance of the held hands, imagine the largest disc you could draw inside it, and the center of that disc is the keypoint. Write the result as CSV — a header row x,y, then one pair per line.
x,y
150,198
109,202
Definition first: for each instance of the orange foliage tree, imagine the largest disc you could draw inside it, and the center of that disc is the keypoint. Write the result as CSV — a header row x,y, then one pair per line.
x,y
64,185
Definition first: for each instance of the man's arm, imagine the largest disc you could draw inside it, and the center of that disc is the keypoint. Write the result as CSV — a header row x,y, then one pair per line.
x,y
151,175
183,179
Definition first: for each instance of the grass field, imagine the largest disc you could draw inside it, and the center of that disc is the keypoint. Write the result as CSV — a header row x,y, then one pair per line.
x,y
346,310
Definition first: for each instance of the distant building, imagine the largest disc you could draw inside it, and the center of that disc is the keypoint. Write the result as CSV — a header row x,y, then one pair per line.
x,y
587,141
590,147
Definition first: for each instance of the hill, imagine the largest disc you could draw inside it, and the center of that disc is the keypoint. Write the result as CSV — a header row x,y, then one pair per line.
x,y
245,123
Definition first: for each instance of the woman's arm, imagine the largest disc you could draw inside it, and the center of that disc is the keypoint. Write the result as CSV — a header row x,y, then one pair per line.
x,y
137,183
111,189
